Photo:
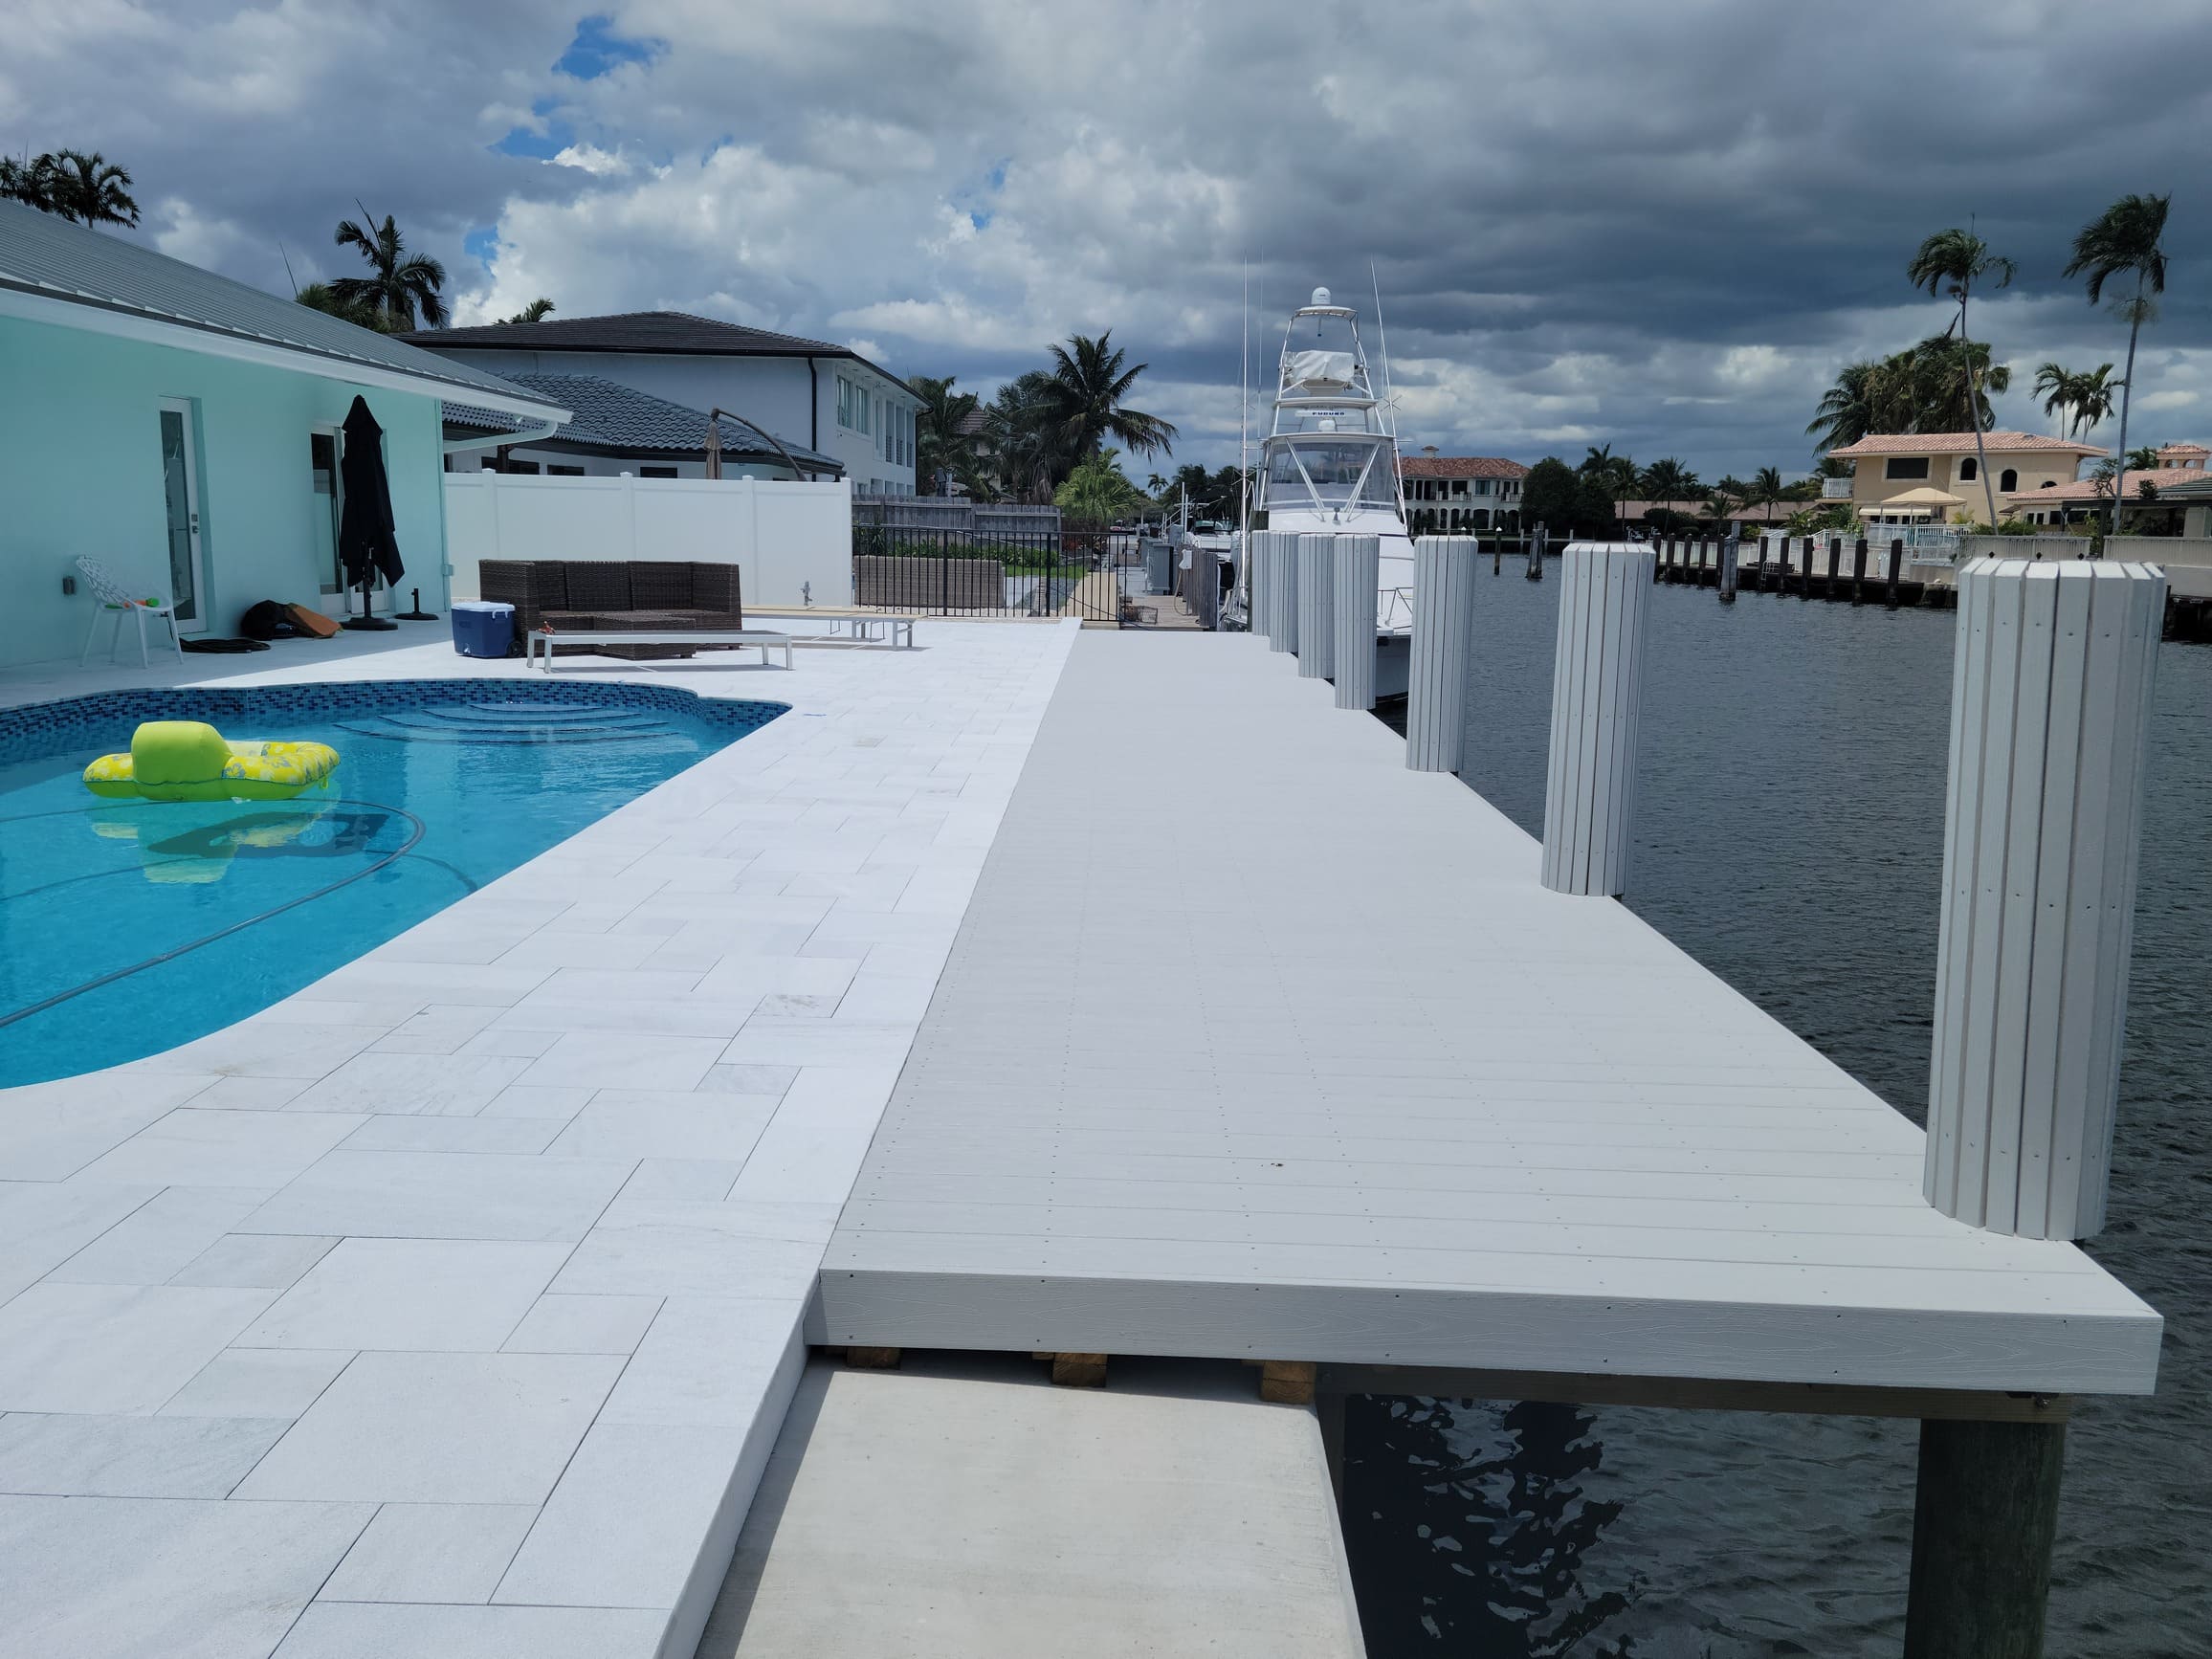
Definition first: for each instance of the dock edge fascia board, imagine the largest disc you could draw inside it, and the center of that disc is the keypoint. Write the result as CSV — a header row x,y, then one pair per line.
x,y
1874,1347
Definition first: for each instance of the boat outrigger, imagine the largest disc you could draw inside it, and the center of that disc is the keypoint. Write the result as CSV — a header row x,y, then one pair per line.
x,y
1330,466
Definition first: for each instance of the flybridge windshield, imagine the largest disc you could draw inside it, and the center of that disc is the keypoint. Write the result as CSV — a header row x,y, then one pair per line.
x,y
1337,472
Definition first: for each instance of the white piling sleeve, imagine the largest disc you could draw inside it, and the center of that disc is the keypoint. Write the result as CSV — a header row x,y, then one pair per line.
x,y
1358,561
1259,549
1284,592
1590,783
2050,701
1443,648
1316,607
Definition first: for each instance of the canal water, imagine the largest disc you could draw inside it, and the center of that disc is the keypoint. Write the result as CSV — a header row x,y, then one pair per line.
x,y
1789,835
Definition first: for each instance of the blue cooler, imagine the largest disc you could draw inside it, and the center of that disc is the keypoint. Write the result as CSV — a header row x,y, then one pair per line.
x,y
482,628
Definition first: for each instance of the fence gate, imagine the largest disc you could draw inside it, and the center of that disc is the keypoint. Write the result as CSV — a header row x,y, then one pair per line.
x,y
953,572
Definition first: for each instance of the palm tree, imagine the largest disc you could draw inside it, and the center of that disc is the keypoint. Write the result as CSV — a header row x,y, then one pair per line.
x,y
2085,397
319,297
1667,482
2121,241
1766,490
1022,432
536,311
2055,385
944,448
1085,391
88,189
2143,458
1854,407
1950,262
402,286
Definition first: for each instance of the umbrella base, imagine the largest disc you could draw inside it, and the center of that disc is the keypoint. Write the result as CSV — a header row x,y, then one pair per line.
x,y
369,624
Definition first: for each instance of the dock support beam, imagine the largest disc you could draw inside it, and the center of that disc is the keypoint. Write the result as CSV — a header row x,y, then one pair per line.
x,y
1984,1521
1316,607
1443,647
1590,781
1359,561
2050,705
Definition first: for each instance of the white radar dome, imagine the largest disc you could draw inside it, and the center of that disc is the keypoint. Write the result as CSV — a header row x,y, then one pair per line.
x,y
1320,297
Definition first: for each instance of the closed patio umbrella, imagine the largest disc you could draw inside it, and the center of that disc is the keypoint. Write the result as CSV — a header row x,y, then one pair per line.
x,y
365,542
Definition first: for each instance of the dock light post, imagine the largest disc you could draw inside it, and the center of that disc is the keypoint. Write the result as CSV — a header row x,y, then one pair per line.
x,y
1316,607
1443,647
2050,705
1358,561
1590,781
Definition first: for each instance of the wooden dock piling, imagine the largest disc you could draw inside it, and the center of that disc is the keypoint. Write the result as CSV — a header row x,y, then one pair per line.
x,y
1806,577
1536,570
1859,570
1984,1516
1729,552
1896,569
1835,563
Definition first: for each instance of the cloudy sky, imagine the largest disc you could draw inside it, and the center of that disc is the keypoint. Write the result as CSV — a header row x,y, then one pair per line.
x,y
1662,226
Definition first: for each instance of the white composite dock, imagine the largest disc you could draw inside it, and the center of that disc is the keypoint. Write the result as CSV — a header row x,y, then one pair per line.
x,y
1352,1086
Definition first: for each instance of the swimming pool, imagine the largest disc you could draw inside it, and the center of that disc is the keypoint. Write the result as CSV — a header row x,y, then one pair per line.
x,y
127,927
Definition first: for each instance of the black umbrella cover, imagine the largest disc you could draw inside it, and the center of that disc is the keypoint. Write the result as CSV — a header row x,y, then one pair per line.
x,y
365,532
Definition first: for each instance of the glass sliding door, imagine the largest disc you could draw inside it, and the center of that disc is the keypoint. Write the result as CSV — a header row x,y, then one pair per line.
x,y
181,502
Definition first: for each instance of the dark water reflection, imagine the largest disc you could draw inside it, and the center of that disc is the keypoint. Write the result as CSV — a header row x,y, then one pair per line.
x,y
1789,835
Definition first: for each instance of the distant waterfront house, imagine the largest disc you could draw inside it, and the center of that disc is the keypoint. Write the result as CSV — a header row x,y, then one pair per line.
x,y
614,429
1896,478
1460,494
807,391
184,430
2180,484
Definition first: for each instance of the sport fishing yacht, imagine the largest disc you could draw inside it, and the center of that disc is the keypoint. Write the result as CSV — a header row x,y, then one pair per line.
x,y
1330,466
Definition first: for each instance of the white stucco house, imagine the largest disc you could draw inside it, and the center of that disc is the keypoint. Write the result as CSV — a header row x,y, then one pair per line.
x,y
809,394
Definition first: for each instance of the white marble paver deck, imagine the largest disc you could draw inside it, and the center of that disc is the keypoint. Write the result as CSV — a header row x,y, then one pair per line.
x,y
452,1305
1350,1085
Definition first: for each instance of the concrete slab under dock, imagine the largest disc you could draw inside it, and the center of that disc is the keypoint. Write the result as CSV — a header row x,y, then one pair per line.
x,y
962,1508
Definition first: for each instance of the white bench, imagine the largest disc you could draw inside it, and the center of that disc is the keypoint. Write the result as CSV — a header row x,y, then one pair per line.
x,y
548,638
861,619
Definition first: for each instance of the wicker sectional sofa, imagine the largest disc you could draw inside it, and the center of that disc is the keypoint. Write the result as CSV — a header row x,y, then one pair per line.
x,y
608,593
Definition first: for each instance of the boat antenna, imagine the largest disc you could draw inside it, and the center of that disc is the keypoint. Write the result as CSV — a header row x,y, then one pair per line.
x,y
1243,428
1383,344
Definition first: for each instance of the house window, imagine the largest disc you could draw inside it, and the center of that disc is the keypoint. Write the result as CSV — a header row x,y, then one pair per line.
x,y
1968,471
2007,482
554,472
1905,467
656,472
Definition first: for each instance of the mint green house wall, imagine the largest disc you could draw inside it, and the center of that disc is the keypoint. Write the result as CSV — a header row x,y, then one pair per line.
x,y
80,471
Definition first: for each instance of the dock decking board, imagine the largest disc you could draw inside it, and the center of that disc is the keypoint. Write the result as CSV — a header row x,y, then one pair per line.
x,y
1349,1085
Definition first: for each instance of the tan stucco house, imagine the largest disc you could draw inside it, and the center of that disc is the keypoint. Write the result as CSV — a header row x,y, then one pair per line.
x,y
1934,478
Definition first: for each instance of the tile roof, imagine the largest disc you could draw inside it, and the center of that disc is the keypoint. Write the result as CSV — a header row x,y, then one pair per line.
x,y
55,259
608,415
676,333
1459,467
1959,443
2165,479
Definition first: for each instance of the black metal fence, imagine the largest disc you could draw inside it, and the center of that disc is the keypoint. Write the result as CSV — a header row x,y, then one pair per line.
x,y
936,572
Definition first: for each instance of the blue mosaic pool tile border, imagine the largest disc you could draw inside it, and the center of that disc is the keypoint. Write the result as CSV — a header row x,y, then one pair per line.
x,y
98,716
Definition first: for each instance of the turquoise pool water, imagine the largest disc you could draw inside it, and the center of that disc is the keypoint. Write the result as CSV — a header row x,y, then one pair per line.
x,y
129,927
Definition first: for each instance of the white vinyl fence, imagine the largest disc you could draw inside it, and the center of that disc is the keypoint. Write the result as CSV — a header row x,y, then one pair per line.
x,y
792,540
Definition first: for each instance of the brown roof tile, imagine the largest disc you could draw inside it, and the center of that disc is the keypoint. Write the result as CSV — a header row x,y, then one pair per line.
x,y
1459,467
1958,443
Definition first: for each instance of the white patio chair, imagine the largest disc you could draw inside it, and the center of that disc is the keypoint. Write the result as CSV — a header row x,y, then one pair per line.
x,y
111,598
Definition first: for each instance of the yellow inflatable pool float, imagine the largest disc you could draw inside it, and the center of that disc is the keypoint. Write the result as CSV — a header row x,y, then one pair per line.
x,y
191,760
